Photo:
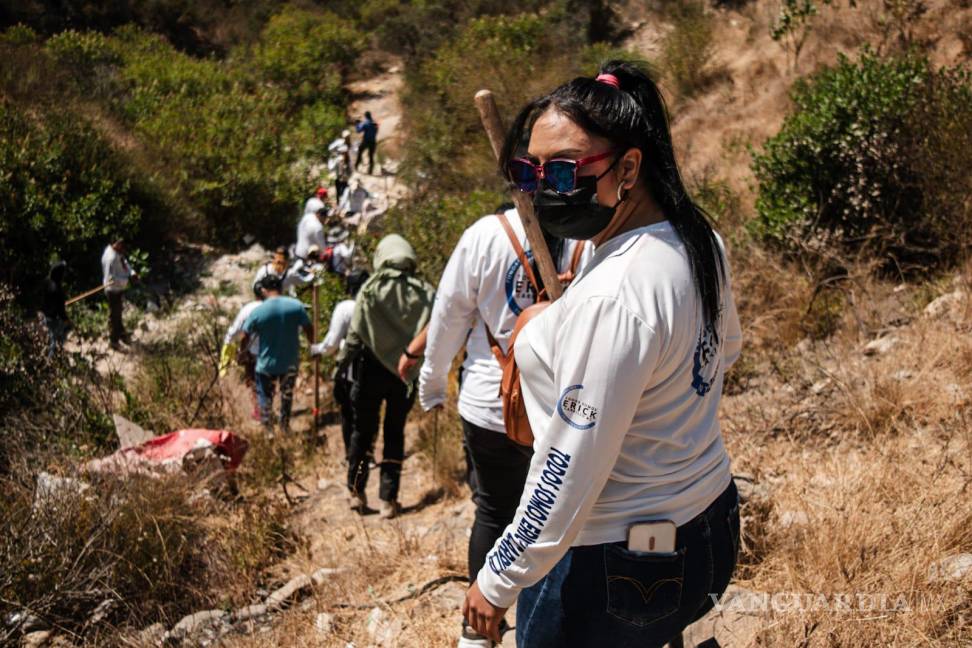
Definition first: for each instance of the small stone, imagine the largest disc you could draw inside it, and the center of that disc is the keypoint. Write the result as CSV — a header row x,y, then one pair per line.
x,y
748,488
951,569
947,304
820,386
324,623
35,639
793,518
374,620
195,624
152,635
880,346
903,375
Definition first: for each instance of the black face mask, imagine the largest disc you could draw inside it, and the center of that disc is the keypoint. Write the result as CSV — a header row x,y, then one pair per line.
x,y
576,215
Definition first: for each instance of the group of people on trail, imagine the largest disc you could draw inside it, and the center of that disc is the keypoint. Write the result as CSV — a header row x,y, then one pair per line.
x,y
616,522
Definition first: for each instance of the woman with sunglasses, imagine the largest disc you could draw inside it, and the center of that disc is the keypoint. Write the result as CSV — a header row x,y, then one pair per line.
x,y
628,524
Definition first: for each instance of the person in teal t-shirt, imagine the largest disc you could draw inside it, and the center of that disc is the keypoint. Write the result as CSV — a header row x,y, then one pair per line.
x,y
278,322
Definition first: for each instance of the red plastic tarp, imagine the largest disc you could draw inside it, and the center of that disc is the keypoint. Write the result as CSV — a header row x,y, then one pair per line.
x,y
171,448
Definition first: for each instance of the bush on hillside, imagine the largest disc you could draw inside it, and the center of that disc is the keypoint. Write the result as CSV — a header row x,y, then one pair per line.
x,y
64,193
305,53
874,159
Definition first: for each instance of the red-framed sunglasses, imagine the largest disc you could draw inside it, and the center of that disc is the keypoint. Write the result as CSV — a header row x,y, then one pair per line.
x,y
559,174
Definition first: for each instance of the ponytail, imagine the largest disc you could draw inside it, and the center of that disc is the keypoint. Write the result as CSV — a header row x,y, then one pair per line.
x,y
633,114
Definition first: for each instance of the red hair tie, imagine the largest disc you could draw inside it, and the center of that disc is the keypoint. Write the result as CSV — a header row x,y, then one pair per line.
x,y
609,79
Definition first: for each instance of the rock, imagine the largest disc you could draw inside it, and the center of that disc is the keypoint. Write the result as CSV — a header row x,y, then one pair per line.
x,y
324,623
951,569
129,434
152,635
748,488
324,573
733,622
903,375
35,639
880,346
949,304
449,598
820,386
382,630
250,612
196,627
793,518
52,489
285,594
101,612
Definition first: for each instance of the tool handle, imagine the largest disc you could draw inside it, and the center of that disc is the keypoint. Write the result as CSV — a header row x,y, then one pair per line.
x,y
524,206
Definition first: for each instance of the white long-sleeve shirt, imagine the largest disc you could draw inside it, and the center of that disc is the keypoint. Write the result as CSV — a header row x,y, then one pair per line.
x,y
338,329
622,388
310,231
482,282
235,330
115,270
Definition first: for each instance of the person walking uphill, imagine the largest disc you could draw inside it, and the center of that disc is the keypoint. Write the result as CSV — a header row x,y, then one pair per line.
x,y
53,309
628,525
369,140
116,275
278,322
391,308
483,288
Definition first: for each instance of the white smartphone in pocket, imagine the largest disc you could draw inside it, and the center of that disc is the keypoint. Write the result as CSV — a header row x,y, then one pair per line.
x,y
652,537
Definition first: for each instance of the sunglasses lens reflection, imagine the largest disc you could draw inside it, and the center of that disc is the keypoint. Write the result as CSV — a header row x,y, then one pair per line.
x,y
523,175
559,175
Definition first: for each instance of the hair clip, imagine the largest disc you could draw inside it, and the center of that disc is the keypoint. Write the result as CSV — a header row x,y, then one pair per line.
x,y
609,79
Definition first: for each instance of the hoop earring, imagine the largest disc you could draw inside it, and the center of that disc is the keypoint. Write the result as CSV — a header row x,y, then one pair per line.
x,y
620,189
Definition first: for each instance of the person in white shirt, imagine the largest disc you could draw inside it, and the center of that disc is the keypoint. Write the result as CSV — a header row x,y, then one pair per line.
x,y
342,251
246,358
116,274
316,202
334,343
484,285
310,231
621,379
299,274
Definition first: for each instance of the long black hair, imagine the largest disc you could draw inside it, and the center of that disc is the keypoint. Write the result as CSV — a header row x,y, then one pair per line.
x,y
634,116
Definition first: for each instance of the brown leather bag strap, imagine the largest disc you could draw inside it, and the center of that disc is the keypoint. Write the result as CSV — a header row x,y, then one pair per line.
x,y
568,277
495,347
520,253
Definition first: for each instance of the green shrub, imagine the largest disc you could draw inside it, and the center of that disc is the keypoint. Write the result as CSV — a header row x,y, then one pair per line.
x,y
83,50
305,53
688,48
873,159
64,193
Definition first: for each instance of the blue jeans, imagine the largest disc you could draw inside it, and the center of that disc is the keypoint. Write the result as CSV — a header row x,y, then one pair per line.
x,y
265,387
605,595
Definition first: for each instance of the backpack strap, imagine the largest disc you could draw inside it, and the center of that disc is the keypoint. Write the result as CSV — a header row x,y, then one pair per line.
x,y
520,253
494,344
568,277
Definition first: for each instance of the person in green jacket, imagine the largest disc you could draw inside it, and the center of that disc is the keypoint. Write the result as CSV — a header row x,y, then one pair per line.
x,y
391,308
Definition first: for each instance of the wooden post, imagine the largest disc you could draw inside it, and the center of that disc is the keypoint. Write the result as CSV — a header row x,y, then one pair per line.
x,y
317,360
524,205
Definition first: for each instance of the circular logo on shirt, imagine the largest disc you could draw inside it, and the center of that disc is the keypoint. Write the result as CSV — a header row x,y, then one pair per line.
x,y
519,291
575,412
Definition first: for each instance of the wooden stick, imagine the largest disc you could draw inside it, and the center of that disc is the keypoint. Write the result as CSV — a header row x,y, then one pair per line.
x,y
495,131
317,361
84,295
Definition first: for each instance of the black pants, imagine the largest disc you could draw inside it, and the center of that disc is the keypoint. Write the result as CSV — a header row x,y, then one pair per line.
x,y
116,329
342,396
370,147
374,384
500,468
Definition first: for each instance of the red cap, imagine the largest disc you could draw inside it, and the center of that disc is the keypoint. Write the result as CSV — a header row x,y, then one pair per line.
x,y
321,192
